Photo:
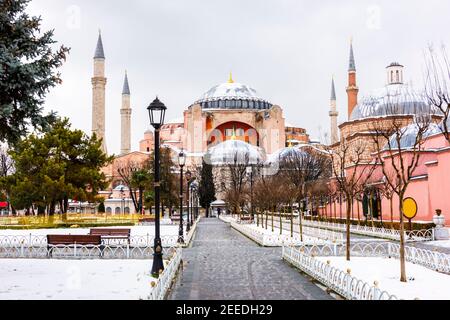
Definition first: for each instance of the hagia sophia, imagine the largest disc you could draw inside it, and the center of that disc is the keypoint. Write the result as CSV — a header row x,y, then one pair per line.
x,y
233,115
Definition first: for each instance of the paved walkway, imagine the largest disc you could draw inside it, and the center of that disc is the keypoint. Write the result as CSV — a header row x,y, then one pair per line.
x,y
222,264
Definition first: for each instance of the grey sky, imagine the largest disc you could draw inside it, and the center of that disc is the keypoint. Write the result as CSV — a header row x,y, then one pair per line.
x,y
286,49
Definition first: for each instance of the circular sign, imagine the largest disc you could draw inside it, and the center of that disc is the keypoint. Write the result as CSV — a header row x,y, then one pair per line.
x,y
409,208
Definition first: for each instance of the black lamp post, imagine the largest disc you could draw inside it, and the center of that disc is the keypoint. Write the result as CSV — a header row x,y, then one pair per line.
x,y
192,185
181,163
188,178
122,196
194,191
157,112
250,172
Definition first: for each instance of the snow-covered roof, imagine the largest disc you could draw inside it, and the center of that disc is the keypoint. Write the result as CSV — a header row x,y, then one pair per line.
x,y
408,136
232,95
235,152
393,99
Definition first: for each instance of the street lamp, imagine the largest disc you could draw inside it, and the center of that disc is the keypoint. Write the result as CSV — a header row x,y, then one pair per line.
x,y
250,172
157,112
194,197
188,178
122,195
181,163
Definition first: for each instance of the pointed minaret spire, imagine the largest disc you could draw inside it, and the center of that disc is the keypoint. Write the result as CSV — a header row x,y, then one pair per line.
x,y
333,115
98,94
125,116
352,88
126,86
333,90
99,53
352,64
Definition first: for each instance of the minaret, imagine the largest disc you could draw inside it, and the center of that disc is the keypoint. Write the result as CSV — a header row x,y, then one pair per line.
x,y
352,89
125,114
98,93
333,115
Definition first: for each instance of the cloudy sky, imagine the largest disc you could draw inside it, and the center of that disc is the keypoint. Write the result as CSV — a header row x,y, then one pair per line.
x,y
287,50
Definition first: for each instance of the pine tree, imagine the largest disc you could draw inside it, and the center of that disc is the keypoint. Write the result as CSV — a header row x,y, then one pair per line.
x,y
207,189
27,71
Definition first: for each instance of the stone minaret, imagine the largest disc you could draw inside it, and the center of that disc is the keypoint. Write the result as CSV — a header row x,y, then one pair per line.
x,y
333,115
352,89
98,94
125,114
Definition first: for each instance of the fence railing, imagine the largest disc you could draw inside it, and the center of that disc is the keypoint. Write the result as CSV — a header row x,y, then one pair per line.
x,y
321,233
385,233
273,239
165,280
433,260
80,252
337,280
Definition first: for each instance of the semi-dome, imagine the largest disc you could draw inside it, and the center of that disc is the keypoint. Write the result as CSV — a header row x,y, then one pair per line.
x,y
232,95
408,136
394,99
234,152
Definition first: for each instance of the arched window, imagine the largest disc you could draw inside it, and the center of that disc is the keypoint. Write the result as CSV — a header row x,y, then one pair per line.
x,y
392,76
127,210
398,76
109,210
117,210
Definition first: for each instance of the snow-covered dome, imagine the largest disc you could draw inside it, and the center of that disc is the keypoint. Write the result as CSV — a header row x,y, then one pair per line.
x,y
234,151
393,99
284,153
232,95
408,136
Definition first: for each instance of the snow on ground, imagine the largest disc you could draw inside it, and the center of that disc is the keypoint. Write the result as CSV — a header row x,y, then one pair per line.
x,y
423,283
75,279
276,232
171,230
441,243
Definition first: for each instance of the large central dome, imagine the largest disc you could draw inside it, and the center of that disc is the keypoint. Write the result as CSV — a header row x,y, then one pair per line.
x,y
232,95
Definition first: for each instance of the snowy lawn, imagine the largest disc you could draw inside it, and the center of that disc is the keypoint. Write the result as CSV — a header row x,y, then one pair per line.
x,y
423,283
75,279
441,243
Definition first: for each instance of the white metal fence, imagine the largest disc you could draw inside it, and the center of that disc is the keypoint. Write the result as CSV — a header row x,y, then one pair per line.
x,y
385,233
337,280
165,280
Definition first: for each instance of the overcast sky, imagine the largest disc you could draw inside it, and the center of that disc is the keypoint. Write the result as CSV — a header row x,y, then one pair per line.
x,y
287,50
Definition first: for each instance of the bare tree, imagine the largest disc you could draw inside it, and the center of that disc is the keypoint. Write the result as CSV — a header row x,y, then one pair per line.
x,y
350,171
398,150
128,172
299,168
437,85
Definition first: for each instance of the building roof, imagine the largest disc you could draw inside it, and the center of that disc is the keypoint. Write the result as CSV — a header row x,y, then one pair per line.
x,y
234,152
408,136
99,52
393,99
233,96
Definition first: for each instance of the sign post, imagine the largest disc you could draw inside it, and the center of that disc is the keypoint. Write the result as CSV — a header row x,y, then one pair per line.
x,y
409,210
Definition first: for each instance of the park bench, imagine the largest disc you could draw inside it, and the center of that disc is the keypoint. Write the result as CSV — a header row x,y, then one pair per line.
x,y
54,240
111,234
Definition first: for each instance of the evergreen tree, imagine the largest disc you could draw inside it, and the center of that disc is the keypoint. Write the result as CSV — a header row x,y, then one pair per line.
x,y
61,164
28,66
207,189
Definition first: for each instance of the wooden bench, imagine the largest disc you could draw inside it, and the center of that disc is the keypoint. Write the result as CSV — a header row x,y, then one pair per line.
x,y
146,220
54,240
111,234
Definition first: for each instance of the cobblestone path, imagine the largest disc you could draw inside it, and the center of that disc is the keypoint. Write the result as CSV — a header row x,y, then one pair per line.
x,y
222,264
